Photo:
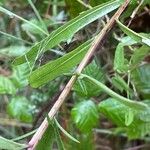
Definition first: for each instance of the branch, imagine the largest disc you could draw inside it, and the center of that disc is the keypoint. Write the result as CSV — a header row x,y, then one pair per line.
x,y
38,135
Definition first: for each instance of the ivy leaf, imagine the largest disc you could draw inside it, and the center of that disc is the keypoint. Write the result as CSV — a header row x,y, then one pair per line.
x,y
85,115
83,87
10,145
67,31
59,66
22,109
6,86
137,37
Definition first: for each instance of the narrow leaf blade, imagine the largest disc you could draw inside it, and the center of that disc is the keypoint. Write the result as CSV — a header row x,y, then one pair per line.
x,y
66,133
137,37
59,66
10,145
66,31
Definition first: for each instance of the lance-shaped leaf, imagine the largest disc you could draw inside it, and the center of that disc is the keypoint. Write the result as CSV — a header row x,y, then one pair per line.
x,y
66,31
59,66
137,37
10,145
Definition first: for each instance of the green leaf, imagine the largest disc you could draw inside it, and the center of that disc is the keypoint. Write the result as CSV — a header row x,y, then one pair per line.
x,y
127,41
22,109
139,54
74,7
10,145
28,28
141,80
20,75
132,5
129,116
67,31
137,37
58,67
24,136
14,50
119,83
134,122
65,132
97,2
83,87
119,60
50,136
6,86
58,138
119,111
11,14
85,115
86,142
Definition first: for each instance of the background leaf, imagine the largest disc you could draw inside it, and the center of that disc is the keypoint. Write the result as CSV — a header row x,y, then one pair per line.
x,y
139,54
119,60
141,79
6,86
14,50
22,109
20,75
122,116
85,115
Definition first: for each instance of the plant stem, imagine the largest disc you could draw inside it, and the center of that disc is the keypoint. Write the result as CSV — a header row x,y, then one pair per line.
x,y
38,135
121,99
84,4
29,22
16,38
38,15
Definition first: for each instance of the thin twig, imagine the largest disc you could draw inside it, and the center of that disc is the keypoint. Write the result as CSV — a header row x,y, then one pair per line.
x,y
84,4
135,12
38,15
38,135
